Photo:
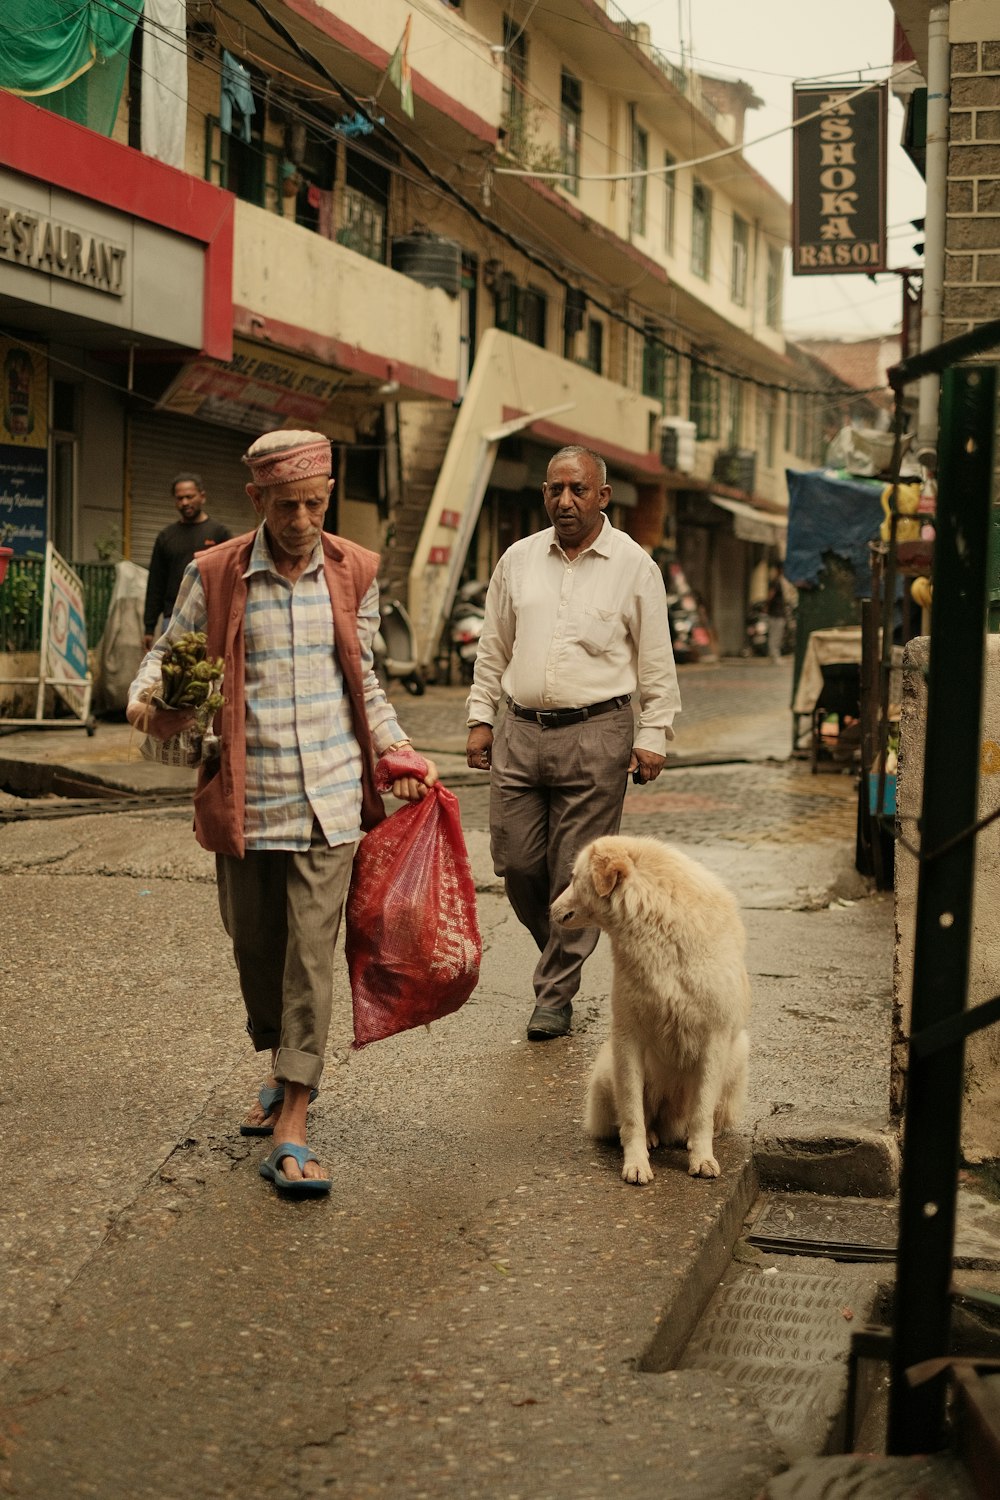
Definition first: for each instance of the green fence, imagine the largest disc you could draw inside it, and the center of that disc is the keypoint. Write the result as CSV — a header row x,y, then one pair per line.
x,y
21,601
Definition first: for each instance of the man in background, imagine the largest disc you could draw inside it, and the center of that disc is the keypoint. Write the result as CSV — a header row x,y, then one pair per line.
x,y
576,627
174,548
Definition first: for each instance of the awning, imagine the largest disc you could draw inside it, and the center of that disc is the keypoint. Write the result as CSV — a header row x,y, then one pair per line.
x,y
753,525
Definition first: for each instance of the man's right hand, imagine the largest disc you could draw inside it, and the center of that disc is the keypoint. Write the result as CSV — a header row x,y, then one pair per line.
x,y
147,641
161,723
479,747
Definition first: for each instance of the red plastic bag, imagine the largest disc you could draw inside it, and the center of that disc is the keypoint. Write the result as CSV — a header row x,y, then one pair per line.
x,y
412,934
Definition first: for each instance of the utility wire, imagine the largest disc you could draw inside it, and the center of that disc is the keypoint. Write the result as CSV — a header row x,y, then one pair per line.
x,y
529,254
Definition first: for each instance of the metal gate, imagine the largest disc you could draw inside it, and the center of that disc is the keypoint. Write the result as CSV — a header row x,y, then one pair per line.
x,y
162,445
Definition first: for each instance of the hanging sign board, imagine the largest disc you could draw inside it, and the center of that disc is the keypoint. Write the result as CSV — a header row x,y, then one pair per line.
x,y
259,388
839,180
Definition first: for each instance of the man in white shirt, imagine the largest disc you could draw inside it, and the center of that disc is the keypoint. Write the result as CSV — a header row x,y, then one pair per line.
x,y
576,631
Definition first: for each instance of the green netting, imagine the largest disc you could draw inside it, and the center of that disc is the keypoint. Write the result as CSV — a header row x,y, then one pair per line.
x,y
68,55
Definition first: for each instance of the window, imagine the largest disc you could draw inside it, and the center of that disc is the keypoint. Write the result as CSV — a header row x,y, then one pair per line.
x,y
741,260
364,206
521,310
701,230
569,130
640,163
669,202
775,269
595,346
532,315
703,405
659,368
735,413
766,415
250,168
516,52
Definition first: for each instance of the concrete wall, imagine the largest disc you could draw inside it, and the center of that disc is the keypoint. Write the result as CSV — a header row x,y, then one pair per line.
x,y
288,275
981,1116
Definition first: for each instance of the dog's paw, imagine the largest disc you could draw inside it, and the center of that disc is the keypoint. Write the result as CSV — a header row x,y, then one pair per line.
x,y
703,1166
638,1172
652,1139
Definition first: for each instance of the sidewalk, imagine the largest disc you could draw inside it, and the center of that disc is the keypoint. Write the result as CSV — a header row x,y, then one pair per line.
x,y
482,1308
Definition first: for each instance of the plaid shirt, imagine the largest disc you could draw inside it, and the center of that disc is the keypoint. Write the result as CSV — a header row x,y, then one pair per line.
x,y
303,761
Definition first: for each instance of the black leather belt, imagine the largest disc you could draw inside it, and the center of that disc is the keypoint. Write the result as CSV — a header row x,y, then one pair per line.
x,y
555,718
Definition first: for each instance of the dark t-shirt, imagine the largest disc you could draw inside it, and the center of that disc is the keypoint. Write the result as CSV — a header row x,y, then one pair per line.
x,y
173,549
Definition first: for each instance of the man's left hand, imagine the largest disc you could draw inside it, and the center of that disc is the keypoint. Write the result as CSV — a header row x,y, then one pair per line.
x,y
411,788
648,764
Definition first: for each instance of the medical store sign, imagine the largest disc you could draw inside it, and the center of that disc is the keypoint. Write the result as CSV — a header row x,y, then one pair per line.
x,y
839,178
56,248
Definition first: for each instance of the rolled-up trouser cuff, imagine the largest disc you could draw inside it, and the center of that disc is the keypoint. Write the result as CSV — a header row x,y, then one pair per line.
x,y
298,1067
264,1042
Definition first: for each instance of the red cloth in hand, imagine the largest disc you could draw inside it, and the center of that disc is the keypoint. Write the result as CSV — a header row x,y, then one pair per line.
x,y
412,933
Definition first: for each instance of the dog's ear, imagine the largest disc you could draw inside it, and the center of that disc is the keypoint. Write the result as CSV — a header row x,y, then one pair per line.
x,y
608,869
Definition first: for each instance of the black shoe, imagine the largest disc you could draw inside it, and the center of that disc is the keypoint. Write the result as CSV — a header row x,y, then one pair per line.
x,y
548,1022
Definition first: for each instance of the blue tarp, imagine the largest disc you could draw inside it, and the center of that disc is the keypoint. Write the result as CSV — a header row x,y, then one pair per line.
x,y
828,512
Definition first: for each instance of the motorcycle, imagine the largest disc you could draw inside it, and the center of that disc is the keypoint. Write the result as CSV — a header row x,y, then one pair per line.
x,y
757,630
685,623
395,648
466,625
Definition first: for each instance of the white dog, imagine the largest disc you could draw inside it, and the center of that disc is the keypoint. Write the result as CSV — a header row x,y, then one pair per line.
x,y
676,1063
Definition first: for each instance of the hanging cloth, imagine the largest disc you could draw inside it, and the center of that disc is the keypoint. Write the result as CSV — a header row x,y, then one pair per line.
x,y
236,94
164,80
69,56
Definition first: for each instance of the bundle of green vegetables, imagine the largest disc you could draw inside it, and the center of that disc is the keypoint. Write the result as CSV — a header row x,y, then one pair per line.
x,y
191,678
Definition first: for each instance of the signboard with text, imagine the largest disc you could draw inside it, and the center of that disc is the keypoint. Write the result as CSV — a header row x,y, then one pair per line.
x,y
24,446
259,388
64,635
839,179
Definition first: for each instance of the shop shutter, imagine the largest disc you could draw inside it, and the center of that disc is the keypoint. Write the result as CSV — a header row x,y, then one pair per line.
x,y
163,445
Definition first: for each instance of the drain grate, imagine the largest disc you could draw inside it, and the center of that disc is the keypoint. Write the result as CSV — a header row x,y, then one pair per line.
x,y
783,1334
849,1229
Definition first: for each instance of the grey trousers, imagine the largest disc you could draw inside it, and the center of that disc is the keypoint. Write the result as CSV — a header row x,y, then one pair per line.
x,y
551,792
282,910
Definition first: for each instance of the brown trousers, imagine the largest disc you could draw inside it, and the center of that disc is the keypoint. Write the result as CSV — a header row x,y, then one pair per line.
x,y
282,910
551,792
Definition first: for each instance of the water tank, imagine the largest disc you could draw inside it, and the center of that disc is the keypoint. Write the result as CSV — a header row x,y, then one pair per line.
x,y
430,260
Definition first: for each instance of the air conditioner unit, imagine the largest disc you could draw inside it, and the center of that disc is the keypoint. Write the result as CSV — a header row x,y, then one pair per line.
x,y
736,467
677,444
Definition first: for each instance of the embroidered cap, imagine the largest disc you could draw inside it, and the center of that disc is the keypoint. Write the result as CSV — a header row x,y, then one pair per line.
x,y
282,456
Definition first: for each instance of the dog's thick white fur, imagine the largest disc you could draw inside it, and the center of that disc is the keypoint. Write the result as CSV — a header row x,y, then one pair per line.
x,y
675,1067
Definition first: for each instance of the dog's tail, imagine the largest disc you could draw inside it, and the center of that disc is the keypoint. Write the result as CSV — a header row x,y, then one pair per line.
x,y
729,1110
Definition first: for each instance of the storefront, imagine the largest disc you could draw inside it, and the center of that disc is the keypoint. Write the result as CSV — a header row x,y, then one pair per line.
x,y
112,268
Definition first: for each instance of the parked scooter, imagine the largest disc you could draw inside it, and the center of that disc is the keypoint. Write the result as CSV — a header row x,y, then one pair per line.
x,y
466,625
684,621
395,648
757,629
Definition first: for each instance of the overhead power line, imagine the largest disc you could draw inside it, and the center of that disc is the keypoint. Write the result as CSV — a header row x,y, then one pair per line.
x,y
703,362
697,161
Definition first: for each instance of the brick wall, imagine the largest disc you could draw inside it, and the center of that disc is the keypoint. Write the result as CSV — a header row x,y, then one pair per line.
x,y
972,260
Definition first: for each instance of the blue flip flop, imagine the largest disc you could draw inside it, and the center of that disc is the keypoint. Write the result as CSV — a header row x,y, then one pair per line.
x,y
270,1099
298,1187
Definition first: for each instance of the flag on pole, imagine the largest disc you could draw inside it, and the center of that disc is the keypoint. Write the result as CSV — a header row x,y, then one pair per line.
x,y
399,70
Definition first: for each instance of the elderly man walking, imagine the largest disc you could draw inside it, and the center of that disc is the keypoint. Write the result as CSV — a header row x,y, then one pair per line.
x,y
575,640
293,611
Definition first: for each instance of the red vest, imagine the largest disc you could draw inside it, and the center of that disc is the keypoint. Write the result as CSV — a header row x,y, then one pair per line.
x,y
220,797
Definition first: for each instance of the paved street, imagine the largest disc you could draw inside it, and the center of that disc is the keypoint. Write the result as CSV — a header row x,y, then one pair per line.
x,y
472,1311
